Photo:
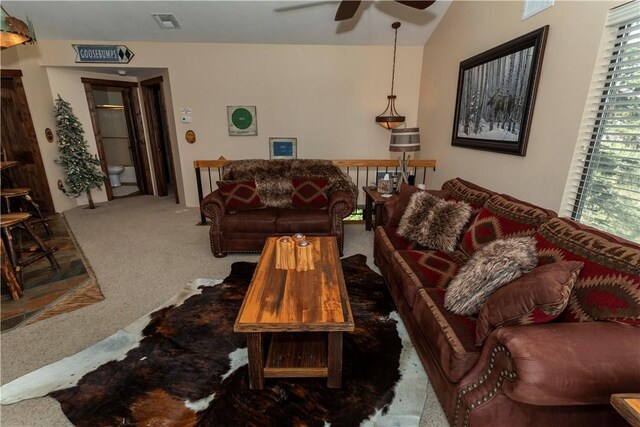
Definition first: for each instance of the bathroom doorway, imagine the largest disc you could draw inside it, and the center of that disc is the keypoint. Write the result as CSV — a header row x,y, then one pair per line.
x,y
117,124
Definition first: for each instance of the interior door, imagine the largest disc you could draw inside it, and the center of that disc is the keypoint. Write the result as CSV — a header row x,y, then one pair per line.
x,y
19,141
159,141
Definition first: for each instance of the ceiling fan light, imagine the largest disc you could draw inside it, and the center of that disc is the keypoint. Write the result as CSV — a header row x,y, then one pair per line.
x,y
13,31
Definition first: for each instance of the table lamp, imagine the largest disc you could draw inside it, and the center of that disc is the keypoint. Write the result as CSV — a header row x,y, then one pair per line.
x,y
404,140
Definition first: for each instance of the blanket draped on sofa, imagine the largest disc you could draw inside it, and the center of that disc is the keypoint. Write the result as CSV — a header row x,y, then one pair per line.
x,y
273,177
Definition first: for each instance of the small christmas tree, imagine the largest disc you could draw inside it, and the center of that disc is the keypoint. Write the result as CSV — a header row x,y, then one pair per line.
x,y
82,168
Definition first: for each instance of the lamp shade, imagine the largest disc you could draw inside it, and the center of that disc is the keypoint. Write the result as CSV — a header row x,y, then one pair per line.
x,y
405,140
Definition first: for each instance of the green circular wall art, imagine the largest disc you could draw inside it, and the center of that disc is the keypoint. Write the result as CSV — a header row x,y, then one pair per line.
x,y
242,120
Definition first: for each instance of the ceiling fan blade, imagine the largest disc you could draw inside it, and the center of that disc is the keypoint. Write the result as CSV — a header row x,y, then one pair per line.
x,y
417,4
346,10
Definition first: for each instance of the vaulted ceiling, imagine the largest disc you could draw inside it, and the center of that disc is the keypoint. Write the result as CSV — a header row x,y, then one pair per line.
x,y
237,21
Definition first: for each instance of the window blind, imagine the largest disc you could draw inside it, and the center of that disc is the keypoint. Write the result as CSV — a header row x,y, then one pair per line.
x,y
604,181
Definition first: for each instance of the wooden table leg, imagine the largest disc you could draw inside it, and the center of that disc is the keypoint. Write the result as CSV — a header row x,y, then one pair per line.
x,y
368,212
334,379
379,209
9,276
256,360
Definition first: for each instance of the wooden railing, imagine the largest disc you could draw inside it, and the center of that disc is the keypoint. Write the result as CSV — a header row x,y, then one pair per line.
x,y
362,172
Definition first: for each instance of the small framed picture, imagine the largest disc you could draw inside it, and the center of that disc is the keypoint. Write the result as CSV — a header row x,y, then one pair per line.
x,y
242,120
283,148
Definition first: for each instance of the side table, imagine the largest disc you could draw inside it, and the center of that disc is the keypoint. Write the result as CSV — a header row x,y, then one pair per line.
x,y
373,198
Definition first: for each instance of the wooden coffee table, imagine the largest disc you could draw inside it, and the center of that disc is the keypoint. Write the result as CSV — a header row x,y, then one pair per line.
x,y
299,316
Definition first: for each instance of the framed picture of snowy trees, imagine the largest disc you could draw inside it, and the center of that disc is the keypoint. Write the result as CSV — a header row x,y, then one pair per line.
x,y
496,93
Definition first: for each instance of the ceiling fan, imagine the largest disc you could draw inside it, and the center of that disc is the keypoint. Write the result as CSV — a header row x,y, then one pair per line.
x,y
347,8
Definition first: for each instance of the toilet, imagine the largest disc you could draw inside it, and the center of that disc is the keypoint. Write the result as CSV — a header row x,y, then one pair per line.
x,y
114,175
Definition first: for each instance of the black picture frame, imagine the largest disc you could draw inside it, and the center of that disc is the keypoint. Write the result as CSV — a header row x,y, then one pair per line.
x,y
496,94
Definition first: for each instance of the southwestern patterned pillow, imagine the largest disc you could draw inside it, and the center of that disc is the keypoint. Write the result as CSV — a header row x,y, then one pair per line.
x,y
608,287
240,196
309,193
493,266
537,297
503,217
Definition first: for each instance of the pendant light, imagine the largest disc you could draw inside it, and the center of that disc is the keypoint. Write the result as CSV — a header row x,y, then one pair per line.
x,y
390,118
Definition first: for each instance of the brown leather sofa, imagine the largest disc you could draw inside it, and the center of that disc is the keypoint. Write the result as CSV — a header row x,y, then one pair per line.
x,y
560,373
246,231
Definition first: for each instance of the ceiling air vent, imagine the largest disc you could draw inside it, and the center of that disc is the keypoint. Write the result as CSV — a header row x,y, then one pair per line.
x,y
166,21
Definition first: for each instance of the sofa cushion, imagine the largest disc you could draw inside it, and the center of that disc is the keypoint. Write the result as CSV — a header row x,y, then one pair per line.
x,y
240,196
608,288
309,193
503,217
451,336
305,221
258,221
493,266
537,297
414,270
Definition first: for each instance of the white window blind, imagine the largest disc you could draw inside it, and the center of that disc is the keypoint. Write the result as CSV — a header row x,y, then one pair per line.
x,y
603,187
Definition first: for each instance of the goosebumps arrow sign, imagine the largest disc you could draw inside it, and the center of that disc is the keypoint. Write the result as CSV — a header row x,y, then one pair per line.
x,y
115,54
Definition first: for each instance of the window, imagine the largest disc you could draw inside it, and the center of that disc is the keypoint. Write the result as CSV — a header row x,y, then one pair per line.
x,y
604,183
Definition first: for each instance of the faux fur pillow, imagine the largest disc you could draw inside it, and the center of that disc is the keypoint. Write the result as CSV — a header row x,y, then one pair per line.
x,y
417,214
433,222
537,297
494,265
445,224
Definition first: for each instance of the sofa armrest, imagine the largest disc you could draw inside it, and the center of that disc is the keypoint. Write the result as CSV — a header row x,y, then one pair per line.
x,y
553,364
341,197
213,205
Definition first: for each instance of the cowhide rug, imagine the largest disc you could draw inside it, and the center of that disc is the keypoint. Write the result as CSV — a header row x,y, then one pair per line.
x,y
182,365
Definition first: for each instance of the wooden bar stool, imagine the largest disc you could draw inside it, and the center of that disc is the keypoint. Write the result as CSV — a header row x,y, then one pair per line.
x,y
20,199
11,221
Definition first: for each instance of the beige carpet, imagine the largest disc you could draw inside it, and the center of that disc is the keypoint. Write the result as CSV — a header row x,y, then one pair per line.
x,y
143,250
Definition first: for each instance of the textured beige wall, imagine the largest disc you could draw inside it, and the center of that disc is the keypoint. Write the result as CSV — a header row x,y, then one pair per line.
x,y
36,87
326,96
469,28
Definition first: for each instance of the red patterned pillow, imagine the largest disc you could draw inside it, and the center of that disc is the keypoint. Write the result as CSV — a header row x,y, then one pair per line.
x,y
608,287
309,193
537,297
240,196
503,217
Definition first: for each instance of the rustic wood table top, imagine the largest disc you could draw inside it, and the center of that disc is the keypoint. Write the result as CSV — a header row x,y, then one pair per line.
x,y
628,405
297,301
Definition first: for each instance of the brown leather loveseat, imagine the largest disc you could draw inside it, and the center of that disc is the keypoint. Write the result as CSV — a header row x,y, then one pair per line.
x,y
534,371
260,198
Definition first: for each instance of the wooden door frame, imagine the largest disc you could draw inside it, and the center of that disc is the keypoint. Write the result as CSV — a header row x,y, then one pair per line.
x,y
23,107
146,86
140,145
